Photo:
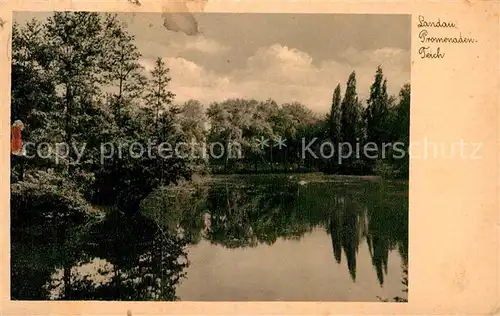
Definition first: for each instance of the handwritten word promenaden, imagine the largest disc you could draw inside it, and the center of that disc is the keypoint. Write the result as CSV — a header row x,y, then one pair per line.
x,y
425,38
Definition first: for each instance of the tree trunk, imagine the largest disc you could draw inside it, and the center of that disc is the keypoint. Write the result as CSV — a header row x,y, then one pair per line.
x,y
67,282
228,146
68,127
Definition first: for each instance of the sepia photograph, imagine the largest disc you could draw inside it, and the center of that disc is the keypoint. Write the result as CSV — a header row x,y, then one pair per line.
x,y
209,156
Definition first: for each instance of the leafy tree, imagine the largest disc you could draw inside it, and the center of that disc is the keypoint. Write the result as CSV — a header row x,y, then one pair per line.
x,y
351,128
193,120
228,120
121,61
350,114
158,98
402,127
33,92
335,115
334,129
377,111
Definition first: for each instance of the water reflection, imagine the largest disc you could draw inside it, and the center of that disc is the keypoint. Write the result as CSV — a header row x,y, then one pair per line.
x,y
144,257
140,263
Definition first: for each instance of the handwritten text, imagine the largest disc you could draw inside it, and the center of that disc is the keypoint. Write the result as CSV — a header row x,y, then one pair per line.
x,y
427,51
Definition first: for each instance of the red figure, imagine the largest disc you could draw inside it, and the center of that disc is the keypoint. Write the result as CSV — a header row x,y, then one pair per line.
x,y
16,144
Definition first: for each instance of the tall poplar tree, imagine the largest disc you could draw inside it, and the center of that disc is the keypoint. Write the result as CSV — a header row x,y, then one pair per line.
x,y
377,111
335,115
349,112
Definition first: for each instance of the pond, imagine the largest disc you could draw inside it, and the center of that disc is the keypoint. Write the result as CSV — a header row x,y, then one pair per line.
x,y
231,238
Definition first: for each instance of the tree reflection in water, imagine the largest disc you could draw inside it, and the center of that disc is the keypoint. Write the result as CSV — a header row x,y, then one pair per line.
x,y
143,257
139,262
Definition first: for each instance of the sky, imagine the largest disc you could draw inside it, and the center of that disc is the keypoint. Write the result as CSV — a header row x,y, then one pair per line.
x,y
286,57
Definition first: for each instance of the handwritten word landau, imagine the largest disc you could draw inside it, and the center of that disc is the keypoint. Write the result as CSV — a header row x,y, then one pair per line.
x,y
438,23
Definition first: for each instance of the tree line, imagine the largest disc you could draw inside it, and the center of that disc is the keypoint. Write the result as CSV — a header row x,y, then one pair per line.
x,y
382,123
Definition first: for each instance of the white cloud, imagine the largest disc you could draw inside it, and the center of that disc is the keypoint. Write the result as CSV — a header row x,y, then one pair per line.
x,y
387,56
205,45
287,74
278,64
191,81
178,43
279,55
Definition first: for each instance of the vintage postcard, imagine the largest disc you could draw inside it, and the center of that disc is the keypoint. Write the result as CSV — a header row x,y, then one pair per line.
x,y
247,157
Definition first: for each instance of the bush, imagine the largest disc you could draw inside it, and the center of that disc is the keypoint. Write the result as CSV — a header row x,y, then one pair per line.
x,y
44,196
392,170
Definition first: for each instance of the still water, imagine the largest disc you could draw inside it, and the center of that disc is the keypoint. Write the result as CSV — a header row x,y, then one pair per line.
x,y
232,238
